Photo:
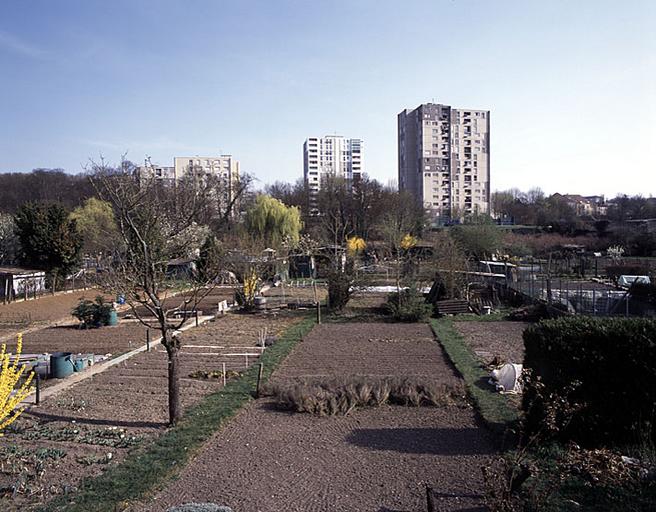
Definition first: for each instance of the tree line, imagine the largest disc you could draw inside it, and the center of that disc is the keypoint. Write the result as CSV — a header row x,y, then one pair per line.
x,y
536,209
43,186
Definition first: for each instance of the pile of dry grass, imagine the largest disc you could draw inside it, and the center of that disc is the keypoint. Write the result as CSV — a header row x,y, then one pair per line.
x,y
341,396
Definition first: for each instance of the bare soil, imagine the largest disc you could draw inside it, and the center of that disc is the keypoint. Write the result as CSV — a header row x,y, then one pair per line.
x,y
489,339
207,305
125,336
374,459
43,311
122,407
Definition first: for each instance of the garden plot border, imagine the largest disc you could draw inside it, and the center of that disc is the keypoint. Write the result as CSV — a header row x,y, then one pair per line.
x,y
500,416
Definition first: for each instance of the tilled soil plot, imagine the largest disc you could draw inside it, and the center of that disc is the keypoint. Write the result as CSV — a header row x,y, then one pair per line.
x,y
379,349
93,424
207,304
374,459
490,339
125,336
19,316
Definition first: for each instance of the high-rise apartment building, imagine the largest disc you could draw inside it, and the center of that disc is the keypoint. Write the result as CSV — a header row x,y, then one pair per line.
x,y
159,172
444,159
332,155
224,167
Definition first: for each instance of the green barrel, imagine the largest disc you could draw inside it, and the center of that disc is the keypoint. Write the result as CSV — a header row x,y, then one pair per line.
x,y
61,364
113,318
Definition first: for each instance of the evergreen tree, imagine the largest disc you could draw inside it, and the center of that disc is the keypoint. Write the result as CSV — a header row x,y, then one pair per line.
x,y
49,239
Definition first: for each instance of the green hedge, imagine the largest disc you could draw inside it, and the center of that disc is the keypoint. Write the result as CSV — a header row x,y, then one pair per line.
x,y
614,359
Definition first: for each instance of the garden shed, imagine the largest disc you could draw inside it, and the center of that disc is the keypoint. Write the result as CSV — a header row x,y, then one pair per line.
x,y
16,283
181,268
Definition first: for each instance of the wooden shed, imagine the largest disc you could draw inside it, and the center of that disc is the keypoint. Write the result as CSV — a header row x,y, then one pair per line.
x,y
21,283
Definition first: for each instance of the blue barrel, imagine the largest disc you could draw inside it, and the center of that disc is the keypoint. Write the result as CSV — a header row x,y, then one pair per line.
x,y
61,364
113,318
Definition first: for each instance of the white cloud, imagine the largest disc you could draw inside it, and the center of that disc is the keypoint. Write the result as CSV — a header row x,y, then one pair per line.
x,y
16,45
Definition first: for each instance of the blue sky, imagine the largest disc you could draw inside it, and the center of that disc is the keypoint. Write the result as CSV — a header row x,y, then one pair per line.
x,y
571,84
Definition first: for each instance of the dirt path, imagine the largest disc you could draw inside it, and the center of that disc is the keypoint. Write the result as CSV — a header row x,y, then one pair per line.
x,y
375,459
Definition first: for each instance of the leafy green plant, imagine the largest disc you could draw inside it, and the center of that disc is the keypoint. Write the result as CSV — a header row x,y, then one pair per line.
x,y
25,468
408,305
213,374
93,313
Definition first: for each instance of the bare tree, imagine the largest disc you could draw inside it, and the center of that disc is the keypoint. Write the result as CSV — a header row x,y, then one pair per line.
x,y
224,199
156,223
399,227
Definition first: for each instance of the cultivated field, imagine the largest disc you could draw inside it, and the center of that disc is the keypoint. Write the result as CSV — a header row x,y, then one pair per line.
x,y
93,424
46,310
374,459
489,339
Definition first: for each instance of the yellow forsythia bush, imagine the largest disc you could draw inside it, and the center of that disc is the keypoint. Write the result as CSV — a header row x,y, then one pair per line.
x,y
250,285
10,396
408,241
355,245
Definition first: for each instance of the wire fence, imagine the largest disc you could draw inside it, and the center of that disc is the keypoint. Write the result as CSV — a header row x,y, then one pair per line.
x,y
581,296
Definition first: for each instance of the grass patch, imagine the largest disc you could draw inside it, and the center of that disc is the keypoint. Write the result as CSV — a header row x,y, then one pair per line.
x,y
497,413
146,470
497,316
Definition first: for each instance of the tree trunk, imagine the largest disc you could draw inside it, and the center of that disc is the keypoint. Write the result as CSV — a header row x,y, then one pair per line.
x,y
173,351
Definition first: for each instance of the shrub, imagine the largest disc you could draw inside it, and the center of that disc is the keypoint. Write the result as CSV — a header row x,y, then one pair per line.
x,y
93,314
12,392
339,289
609,363
644,291
245,295
408,306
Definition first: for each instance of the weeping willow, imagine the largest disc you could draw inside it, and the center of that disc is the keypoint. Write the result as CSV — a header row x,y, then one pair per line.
x,y
272,221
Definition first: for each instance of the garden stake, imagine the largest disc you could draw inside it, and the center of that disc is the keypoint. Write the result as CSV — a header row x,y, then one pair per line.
x,y
319,312
259,379
626,303
224,374
196,313
37,396
430,500
147,340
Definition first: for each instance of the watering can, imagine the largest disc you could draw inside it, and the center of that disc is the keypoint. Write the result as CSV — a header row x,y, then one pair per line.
x,y
62,364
